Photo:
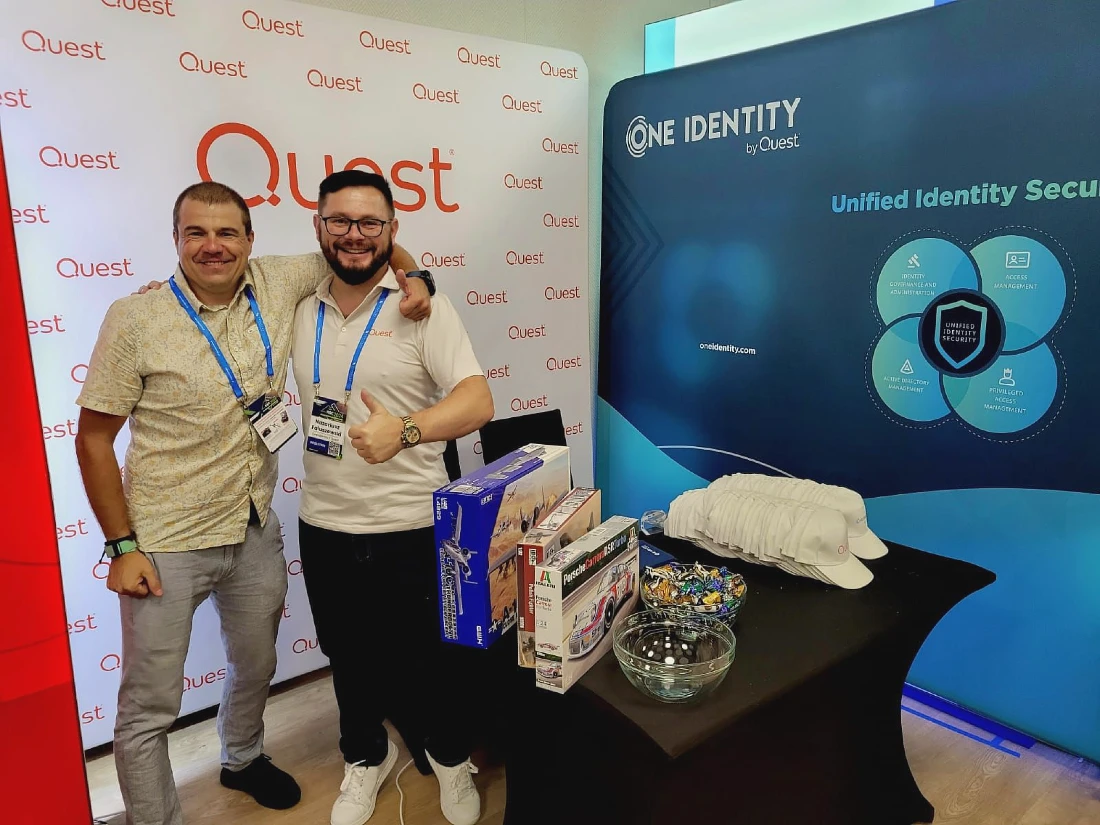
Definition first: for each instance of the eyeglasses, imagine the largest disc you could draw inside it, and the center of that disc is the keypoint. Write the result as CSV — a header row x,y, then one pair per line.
x,y
368,227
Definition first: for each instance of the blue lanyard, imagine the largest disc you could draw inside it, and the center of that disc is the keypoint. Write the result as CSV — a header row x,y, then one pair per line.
x,y
205,330
358,349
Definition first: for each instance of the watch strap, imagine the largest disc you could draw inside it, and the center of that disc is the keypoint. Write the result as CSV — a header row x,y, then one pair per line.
x,y
113,548
408,424
426,277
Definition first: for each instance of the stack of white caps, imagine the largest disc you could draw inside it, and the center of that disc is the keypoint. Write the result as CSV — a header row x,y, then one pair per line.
x,y
861,541
801,538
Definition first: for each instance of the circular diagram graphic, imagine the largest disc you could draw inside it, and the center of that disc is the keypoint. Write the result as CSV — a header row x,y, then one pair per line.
x,y
968,334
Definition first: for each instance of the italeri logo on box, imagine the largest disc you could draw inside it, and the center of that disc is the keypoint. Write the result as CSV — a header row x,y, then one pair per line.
x,y
574,515
580,593
479,522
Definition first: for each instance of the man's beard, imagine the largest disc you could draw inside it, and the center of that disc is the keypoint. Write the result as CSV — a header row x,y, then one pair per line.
x,y
358,275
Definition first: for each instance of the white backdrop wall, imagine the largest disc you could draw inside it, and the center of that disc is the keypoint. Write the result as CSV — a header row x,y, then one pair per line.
x,y
608,34
110,107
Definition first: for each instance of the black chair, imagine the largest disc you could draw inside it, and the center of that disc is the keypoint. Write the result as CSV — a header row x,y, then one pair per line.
x,y
500,436
450,461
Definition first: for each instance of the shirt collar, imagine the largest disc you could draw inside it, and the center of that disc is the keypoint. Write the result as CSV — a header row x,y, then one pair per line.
x,y
389,281
189,294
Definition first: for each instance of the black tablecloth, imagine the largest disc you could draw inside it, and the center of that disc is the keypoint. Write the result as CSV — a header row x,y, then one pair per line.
x,y
806,728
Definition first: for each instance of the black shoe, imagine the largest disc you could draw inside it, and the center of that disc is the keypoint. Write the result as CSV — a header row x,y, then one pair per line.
x,y
265,783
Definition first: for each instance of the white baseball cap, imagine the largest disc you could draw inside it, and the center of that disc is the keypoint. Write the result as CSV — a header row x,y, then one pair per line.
x,y
800,538
861,540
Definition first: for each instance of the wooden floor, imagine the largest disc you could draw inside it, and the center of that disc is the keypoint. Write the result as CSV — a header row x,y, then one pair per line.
x,y
970,783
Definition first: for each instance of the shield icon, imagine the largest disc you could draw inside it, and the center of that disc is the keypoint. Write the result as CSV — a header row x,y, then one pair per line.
x,y
960,331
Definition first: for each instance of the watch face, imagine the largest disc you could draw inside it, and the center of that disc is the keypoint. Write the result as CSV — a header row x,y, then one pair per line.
x,y
411,434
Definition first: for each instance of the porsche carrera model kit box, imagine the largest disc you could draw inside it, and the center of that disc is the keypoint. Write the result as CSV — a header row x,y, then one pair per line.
x,y
566,522
580,593
479,521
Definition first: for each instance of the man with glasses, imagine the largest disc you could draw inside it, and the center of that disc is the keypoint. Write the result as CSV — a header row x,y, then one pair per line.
x,y
198,371
381,396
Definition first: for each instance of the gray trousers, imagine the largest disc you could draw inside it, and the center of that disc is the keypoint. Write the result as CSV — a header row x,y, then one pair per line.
x,y
248,582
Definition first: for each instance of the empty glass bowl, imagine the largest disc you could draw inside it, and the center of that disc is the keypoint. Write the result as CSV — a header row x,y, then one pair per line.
x,y
674,657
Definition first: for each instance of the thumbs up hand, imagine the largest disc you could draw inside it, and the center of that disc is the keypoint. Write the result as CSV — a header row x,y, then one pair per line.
x,y
416,304
378,439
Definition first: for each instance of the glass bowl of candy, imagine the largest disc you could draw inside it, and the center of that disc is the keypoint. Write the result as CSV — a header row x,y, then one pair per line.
x,y
695,589
674,658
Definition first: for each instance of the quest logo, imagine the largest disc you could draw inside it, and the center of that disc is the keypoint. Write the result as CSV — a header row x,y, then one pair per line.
x,y
79,373
301,646
553,147
516,182
494,373
469,57
253,21
291,400
575,429
755,119
46,326
430,260
552,221
319,80
422,92
518,405
84,625
477,447
192,63
294,567
203,679
548,69
517,333
157,8
72,531
30,215
16,99
291,485
513,258
369,40
475,298
512,104
35,41
558,364
66,429
54,158
93,715
70,268
403,174
553,293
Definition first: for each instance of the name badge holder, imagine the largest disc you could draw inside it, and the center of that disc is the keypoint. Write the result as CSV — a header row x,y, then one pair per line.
x,y
328,423
268,414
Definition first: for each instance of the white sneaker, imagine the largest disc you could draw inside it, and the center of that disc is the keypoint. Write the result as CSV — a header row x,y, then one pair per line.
x,y
457,795
359,790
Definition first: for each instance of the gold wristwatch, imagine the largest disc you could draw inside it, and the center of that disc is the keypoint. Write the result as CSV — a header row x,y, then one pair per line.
x,y
410,435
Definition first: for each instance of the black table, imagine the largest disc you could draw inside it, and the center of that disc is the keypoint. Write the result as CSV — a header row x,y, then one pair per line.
x,y
806,728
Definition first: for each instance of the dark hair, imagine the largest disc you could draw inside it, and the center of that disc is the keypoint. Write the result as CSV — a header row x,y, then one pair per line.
x,y
354,177
211,193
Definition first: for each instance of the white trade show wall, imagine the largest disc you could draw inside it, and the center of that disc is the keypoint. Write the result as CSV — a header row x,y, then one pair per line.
x,y
108,112
608,34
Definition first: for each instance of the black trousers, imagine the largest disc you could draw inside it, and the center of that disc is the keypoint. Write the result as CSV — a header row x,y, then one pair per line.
x,y
376,609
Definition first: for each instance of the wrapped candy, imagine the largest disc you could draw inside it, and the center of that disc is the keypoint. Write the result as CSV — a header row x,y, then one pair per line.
x,y
712,590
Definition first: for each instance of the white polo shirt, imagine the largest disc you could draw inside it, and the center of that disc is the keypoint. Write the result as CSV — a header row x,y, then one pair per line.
x,y
406,365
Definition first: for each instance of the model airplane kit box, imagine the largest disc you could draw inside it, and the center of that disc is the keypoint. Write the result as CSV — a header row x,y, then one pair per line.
x,y
479,521
566,522
580,593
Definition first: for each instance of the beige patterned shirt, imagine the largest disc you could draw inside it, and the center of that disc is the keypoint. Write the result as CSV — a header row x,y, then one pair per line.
x,y
195,463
